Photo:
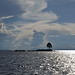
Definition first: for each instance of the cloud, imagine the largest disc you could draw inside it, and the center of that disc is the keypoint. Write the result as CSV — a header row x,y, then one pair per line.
x,y
31,17
7,17
43,32
3,28
32,5
29,7
70,27
37,39
23,44
58,29
34,11
50,29
46,16
6,38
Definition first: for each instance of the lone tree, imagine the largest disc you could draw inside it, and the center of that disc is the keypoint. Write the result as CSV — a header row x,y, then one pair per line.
x,y
49,45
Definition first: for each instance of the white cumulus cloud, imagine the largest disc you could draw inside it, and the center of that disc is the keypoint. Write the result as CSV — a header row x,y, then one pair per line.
x,y
33,11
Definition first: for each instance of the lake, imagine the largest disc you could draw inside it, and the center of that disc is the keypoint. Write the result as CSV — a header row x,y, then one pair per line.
x,y
60,62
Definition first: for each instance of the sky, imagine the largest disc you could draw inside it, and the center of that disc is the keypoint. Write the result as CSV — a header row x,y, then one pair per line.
x,y
31,24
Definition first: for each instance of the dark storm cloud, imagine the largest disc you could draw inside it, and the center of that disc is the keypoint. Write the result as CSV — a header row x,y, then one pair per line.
x,y
37,38
9,7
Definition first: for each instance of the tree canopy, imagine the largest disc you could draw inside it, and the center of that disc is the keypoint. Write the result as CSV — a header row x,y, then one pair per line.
x,y
49,45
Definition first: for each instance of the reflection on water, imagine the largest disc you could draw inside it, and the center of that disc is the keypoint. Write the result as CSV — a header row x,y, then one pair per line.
x,y
37,63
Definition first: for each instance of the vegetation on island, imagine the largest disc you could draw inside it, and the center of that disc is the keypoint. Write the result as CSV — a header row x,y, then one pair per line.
x,y
49,45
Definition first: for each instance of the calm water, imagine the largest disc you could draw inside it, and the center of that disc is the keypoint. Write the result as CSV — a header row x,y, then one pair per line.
x,y
37,63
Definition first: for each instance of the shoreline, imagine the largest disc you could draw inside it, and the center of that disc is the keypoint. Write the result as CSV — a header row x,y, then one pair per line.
x,y
33,50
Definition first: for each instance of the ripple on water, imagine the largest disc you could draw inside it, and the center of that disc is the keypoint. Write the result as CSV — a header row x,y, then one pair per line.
x,y
37,63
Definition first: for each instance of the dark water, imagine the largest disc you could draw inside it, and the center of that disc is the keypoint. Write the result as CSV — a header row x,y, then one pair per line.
x,y
37,63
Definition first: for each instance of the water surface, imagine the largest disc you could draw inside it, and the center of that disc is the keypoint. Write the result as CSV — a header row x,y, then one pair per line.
x,y
37,63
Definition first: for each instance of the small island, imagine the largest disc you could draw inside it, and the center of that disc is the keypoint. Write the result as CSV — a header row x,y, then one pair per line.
x,y
49,45
33,50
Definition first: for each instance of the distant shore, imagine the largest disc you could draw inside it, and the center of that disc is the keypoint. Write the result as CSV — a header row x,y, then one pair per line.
x,y
33,50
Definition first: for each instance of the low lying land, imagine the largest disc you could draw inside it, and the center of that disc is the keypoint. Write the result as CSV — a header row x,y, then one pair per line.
x,y
33,50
